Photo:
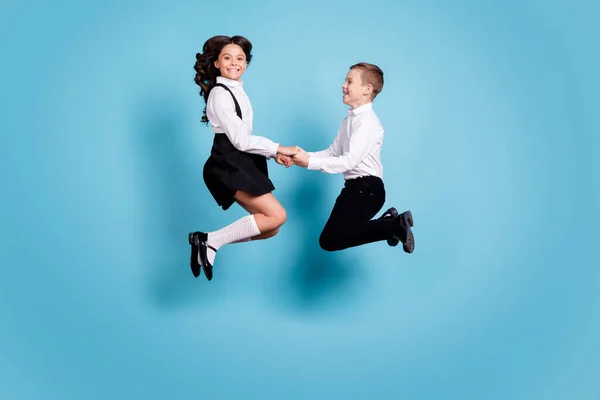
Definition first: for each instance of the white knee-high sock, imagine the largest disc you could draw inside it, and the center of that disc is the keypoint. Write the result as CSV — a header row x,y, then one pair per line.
x,y
240,231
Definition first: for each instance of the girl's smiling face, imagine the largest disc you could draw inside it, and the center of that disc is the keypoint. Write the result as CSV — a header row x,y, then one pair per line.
x,y
231,62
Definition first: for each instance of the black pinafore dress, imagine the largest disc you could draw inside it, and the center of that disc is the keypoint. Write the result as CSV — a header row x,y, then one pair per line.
x,y
228,169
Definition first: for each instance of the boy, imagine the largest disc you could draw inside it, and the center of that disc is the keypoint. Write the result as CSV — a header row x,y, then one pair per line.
x,y
355,153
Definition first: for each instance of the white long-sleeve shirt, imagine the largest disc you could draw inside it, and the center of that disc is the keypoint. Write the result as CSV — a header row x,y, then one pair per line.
x,y
220,111
356,150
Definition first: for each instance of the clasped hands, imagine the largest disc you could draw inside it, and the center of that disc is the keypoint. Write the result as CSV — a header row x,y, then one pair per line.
x,y
289,155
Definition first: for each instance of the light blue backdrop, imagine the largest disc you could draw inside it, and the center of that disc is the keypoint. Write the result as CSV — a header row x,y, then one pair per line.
x,y
491,140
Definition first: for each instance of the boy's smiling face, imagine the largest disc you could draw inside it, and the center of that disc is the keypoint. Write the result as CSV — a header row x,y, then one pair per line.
x,y
355,92
231,62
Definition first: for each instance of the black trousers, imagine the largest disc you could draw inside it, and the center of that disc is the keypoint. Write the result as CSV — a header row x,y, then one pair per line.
x,y
350,222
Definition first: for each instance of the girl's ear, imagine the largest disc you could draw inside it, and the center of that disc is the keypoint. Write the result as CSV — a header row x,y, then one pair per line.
x,y
216,64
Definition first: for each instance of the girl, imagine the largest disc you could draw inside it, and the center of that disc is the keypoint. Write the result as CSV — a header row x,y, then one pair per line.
x,y
236,170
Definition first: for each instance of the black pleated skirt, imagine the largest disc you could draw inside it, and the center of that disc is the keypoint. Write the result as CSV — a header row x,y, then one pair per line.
x,y
228,170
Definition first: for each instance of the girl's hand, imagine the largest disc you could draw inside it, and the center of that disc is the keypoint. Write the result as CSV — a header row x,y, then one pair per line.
x,y
284,160
288,150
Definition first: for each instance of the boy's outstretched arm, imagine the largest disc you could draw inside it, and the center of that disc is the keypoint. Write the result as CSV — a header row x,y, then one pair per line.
x,y
362,141
303,158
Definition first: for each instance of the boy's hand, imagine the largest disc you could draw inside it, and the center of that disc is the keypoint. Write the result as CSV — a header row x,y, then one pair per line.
x,y
301,158
284,160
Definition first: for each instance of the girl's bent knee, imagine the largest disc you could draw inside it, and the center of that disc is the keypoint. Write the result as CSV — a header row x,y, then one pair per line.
x,y
280,217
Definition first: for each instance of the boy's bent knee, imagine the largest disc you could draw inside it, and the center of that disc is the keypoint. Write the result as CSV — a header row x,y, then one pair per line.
x,y
328,241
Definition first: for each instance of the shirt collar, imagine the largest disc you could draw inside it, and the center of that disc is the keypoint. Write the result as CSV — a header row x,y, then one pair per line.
x,y
229,82
361,109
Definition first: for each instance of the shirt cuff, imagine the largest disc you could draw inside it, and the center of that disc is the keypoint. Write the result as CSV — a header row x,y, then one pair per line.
x,y
273,150
314,162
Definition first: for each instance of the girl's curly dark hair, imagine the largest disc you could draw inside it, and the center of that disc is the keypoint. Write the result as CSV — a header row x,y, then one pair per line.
x,y
206,72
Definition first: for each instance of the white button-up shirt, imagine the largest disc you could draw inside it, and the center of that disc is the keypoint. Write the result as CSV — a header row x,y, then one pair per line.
x,y
356,149
220,111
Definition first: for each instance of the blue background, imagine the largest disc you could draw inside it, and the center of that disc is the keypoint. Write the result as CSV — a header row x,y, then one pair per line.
x,y
491,122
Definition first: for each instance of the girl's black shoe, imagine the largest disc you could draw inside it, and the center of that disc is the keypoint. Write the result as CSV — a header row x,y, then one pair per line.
x,y
194,240
202,250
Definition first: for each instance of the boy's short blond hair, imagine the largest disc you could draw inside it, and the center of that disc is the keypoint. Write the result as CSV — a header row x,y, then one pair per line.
x,y
372,75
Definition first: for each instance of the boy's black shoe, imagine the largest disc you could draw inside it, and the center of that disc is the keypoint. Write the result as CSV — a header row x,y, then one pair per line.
x,y
391,214
194,240
406,236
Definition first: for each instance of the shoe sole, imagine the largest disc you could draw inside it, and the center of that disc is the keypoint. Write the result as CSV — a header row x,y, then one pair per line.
x,y
409,245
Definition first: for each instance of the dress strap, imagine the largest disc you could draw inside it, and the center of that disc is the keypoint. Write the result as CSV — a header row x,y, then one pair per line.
x,y
238,110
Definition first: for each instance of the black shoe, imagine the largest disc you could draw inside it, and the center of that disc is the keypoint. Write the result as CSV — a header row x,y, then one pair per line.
x,y
194,240
407,237
391,214
202,250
